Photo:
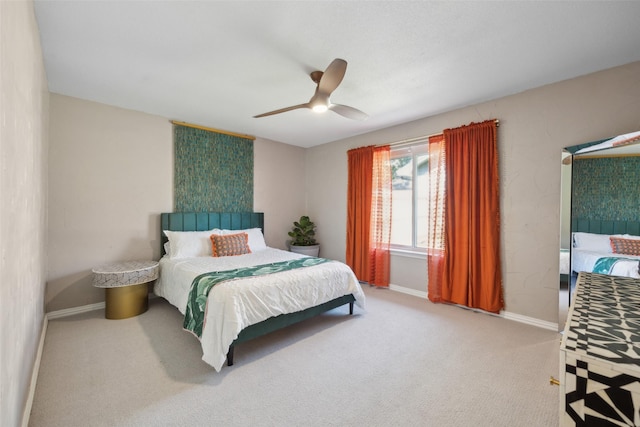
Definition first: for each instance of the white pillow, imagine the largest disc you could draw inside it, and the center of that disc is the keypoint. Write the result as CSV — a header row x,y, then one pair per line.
x,y
592,242
631,236
189,244
256,238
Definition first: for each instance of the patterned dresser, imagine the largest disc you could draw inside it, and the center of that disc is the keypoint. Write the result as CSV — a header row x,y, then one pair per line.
x,y
600,354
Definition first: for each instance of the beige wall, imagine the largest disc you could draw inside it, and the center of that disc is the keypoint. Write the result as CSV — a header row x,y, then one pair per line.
x,y
534,126
278,188
111,175
23,198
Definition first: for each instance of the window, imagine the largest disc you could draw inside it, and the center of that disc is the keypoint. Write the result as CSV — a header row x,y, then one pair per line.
x,y
410,172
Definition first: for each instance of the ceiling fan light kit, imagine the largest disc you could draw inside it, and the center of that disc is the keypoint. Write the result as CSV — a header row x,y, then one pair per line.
x,y
326,83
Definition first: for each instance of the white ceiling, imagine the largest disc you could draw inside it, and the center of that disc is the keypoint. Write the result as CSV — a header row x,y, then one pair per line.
x,y
219,63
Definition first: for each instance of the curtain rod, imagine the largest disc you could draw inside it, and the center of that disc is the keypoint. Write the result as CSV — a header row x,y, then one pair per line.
x,y
189,125
418,138
408,141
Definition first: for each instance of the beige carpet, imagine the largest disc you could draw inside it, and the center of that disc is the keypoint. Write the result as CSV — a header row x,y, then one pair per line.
x,y
403,362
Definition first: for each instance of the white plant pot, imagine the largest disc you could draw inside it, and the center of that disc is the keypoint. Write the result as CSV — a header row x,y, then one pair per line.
x,y
312,250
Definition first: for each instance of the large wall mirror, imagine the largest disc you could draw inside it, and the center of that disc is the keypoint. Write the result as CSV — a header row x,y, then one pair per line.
x,y
600,197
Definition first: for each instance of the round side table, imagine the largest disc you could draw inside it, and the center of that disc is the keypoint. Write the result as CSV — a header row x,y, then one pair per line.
x,y
126,287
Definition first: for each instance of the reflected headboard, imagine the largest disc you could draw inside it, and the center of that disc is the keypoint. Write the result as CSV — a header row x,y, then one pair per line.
x,y
605,226
203,221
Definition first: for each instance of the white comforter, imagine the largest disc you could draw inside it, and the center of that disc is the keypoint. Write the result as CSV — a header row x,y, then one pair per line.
x,y
234,305
584,260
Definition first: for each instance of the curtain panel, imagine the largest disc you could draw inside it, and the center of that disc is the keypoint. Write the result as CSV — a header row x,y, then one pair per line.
x,y
380,241
470,270
369,214
435,228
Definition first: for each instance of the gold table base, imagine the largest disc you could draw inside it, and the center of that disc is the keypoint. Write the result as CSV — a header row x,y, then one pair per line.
x,y
126,301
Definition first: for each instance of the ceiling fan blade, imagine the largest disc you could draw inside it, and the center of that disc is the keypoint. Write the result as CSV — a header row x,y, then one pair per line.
x,y
283,110
348,112
332,76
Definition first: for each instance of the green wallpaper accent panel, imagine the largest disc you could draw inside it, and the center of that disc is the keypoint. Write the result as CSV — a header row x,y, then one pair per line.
x,y
213,171
606,189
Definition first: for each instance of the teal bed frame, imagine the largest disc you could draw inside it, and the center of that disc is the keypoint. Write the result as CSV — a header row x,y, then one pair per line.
x,y
600,226
203,221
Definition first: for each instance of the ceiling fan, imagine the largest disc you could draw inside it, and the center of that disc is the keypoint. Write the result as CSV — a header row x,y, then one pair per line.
x,y
326,82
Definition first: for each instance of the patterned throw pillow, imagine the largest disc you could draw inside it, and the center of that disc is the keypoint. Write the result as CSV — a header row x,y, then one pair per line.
x,y
230,244
625,246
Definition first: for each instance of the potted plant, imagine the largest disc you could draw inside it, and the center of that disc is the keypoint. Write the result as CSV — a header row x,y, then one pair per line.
x,y
303,237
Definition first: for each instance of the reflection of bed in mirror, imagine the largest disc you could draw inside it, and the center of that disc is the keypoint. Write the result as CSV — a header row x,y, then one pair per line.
x,y
599,181
606,247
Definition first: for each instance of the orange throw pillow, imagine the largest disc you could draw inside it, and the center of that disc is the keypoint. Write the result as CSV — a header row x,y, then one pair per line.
x,y
625,246
230,244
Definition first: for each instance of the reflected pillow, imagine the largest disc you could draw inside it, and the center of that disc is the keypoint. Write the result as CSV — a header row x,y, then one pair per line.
x,y
623,246
592,242
189,244
229,244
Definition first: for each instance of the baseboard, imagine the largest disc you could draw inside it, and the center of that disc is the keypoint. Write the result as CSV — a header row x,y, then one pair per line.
x,y
409,291
504,314
530,321
74,310
34,374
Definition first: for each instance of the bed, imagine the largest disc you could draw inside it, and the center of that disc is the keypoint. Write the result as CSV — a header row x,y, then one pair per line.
x,y
606,247
262,300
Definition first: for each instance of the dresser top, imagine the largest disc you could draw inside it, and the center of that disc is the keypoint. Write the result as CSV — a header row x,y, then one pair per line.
x,y
604,320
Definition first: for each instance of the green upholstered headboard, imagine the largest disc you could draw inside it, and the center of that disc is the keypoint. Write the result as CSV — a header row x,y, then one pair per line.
x,y
203,221
598,226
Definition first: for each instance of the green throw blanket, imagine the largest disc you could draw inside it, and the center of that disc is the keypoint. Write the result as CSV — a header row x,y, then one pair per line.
x,y
202,285
605,265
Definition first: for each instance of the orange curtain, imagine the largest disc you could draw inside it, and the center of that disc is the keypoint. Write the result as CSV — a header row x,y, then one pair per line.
x,y
435,230
369,214
380,217
359,187
470,272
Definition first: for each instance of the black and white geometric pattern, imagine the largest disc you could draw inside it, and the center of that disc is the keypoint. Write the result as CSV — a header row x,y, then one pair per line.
x,y
601,347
